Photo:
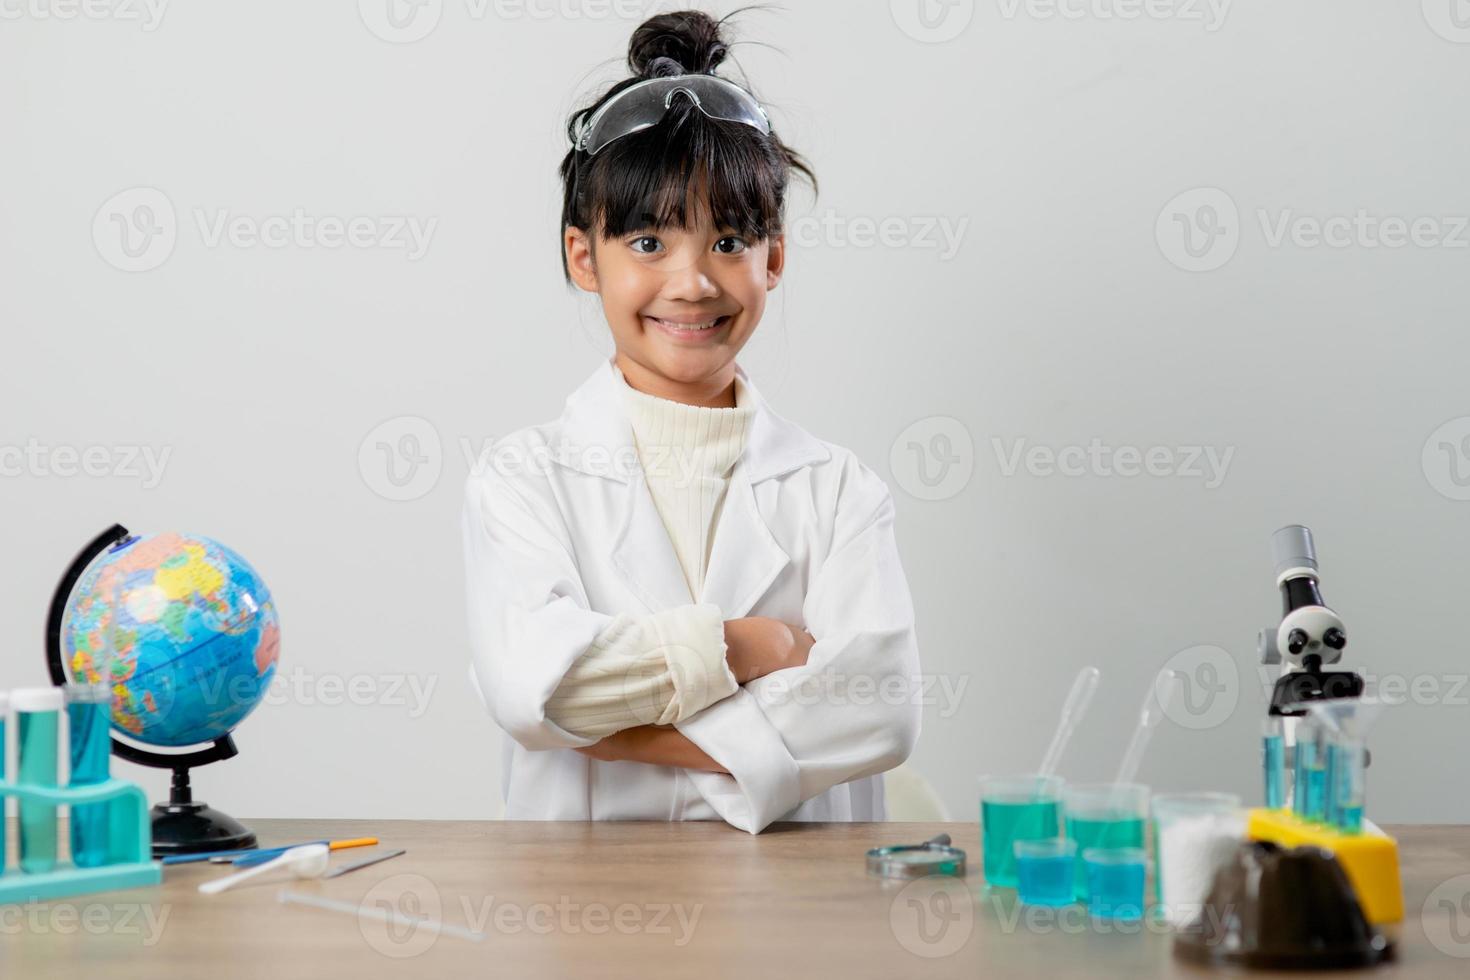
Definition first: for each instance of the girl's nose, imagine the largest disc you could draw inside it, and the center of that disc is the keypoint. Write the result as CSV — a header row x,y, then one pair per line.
x,y
691,282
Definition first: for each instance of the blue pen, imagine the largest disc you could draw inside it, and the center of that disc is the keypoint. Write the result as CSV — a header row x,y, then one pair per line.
x,y
260,857
236,853
266,854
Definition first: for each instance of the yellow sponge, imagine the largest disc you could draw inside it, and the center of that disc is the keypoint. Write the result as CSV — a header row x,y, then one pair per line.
x,y
1371,858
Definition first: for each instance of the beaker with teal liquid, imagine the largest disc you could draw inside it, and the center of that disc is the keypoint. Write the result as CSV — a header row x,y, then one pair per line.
x,y
1104,815
1012,808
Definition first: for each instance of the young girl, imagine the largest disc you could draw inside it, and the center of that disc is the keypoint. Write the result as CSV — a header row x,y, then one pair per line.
x,y
683,606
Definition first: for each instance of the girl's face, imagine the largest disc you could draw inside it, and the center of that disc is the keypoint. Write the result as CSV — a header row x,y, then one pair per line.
x,y
680,302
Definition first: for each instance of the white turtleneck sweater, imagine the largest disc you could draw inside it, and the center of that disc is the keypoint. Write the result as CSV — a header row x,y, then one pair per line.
x,y
665,667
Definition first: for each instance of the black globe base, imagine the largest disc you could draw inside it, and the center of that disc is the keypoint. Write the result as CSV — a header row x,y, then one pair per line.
x,y
186,826
189,828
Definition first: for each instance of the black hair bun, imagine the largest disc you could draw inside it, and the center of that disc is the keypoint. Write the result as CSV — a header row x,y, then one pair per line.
x,y
682,42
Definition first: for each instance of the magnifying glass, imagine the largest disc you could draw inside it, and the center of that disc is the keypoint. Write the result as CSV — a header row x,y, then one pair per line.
x,y
933,857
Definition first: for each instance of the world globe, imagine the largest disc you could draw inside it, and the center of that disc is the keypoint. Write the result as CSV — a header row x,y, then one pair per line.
x,y
185,629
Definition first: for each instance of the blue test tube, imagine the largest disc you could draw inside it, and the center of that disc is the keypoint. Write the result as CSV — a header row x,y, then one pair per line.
x,y
37,720
1273,762
4,800
89,714
1306,745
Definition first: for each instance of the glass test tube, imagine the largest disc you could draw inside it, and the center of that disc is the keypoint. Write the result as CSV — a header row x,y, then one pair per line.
x,y
37,720
4,800
1351,784
1331,751
1273,761
89,713
1306,746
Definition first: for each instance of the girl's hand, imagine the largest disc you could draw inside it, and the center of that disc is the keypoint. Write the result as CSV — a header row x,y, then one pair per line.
x,y
758,645
660,745
605,749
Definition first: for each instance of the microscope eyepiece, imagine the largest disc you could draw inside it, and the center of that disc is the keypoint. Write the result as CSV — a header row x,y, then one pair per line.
x,y
1292,547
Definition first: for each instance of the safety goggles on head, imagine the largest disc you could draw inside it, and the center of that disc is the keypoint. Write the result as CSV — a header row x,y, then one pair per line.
x,y
643,104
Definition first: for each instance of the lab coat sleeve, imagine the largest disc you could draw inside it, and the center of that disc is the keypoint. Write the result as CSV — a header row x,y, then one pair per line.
x,y
853,710
554,673
529,618
646,670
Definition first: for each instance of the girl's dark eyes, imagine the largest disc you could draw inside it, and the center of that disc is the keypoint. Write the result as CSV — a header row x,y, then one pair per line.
x,y
739,245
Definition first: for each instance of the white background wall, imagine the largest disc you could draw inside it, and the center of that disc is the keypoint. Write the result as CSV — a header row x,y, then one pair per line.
x,y
1056,144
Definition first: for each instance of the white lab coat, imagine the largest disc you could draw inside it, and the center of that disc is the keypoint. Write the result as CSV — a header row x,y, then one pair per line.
x,y
561,533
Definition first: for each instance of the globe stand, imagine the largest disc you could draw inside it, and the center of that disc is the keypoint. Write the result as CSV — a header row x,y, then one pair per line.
x,y
182,825
186,826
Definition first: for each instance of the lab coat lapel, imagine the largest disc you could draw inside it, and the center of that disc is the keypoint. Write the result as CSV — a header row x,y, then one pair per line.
x,y
644,553
746,557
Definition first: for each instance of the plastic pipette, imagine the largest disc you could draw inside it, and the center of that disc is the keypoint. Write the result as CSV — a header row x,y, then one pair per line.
x,y
1072,711
1155,704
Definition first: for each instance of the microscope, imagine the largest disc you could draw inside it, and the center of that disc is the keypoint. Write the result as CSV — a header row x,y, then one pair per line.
x,y
1310,637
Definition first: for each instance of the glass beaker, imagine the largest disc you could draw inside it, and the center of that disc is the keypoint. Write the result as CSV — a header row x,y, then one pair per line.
x,y
1104,815
1012,808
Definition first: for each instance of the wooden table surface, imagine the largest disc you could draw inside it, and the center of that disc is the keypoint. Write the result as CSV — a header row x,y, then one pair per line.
x,y
643,900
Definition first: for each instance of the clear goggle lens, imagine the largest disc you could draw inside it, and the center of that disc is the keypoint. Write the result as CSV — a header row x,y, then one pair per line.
x,y
642,105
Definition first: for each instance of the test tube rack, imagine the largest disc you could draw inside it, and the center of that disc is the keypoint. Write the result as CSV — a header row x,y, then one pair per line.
x,y
129,843
1370,858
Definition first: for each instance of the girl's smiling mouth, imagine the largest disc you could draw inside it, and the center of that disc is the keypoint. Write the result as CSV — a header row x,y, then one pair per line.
x,y
687,327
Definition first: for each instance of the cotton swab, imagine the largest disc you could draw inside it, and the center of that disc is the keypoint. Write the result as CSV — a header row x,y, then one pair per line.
x,y
307,861
1083,687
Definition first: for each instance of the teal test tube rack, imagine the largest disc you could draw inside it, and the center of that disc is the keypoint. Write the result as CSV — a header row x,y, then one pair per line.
x,y
127,863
